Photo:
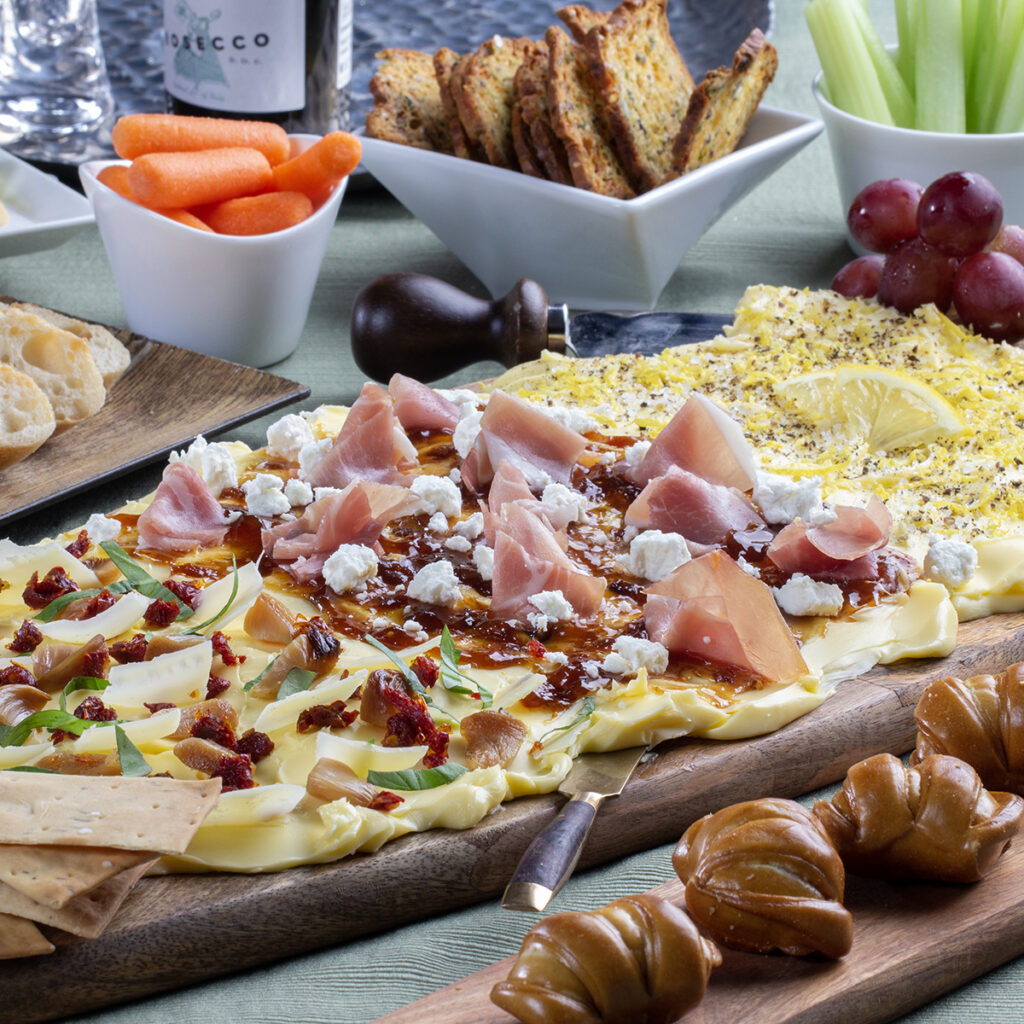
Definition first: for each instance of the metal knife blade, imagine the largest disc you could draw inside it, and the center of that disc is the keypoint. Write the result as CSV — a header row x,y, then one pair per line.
x,y
426,328
550,859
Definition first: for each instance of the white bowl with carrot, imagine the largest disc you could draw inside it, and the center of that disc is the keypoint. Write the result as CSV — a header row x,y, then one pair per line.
x,y
216,229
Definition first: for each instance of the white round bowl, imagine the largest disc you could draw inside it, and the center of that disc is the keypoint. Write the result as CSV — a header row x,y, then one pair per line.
x,y
865,151
241,298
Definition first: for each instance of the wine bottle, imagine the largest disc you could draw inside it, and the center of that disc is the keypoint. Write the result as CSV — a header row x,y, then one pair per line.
x,y
287,61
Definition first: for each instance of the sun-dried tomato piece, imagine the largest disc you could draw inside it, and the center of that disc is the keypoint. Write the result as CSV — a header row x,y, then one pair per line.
x,y
79,545
223,648
184,591
92,709
385,801
325,716
16,675
94,662
125,651
26,639
235,772
98,603
426,670
215,686
158,705
535,648
256,744
40,592
209,727
160,613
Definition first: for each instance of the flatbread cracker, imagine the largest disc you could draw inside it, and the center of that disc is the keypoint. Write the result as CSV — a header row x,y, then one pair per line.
x,y
159,815
19,938
52,875
86,915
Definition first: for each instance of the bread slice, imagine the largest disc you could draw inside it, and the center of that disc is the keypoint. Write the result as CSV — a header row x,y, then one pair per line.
x,y
407,102
57,360
448,66
483,89
531,119
642,80
111,357
721,107
526,152
26,416
578,120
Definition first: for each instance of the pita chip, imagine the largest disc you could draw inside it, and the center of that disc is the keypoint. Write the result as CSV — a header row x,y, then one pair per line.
x,y
19,937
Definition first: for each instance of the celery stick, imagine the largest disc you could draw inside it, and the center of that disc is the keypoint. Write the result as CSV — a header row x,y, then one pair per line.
x,y
1009,115
982,65
906,28
897,95
970,30
1007,33
849,72
939,67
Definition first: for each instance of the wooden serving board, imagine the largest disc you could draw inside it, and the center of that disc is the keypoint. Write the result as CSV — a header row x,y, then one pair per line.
x,y
165,398
912,942
186,929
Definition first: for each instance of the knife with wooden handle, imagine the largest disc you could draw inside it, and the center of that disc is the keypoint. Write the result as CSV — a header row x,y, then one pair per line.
x,y
425,328
550,859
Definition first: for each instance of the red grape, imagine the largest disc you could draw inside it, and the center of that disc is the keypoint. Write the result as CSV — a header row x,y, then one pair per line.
x,y
884,213
1009,240
960,213
859,278
916,273
989,294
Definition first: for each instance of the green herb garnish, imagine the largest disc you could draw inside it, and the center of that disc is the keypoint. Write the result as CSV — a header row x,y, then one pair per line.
x,y
297,680
234,592
133,764
138,579
456,681
416,778
81,683
15,735
586,710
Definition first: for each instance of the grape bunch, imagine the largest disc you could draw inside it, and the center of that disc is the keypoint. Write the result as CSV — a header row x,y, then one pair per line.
x,y
945,244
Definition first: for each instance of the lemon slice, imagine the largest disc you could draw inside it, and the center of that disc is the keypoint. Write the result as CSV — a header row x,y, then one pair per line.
x,y
882,406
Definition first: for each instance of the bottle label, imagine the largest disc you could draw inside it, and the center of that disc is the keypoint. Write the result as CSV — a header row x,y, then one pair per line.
x,y
236,55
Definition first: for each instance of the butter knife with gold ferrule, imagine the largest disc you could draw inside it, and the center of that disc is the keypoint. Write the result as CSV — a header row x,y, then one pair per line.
x,y
550,859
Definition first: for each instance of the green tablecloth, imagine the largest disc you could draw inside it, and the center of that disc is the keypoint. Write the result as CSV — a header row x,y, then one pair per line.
x,y
788,231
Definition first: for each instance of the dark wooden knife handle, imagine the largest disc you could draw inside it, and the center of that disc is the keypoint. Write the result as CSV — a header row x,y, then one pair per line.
x,y
550,858
426,328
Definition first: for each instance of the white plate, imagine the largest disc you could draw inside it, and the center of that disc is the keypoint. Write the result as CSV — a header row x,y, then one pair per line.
x,y
587,250
42,212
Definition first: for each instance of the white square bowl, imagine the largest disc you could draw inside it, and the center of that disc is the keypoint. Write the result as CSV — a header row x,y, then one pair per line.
x,y
586,250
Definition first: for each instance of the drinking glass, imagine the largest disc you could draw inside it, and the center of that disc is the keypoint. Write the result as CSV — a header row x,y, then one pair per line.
x,y
55,97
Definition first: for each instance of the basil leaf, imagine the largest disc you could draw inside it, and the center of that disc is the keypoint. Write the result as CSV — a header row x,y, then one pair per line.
x,y
15,735
416,778
31,768
255,679
140,580
58,604
133,764
81,683
297,680
221,613
456,681
410,677
586,710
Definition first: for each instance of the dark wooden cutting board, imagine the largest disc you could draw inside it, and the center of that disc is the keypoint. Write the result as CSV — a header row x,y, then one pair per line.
x,y
186,929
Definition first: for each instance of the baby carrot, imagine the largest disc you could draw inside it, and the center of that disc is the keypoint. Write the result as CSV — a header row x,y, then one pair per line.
x,y
136,134
259,215
116,177
169,180
186,217
321,166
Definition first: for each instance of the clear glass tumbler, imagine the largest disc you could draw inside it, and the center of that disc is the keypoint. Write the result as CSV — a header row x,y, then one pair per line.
x,y
56,103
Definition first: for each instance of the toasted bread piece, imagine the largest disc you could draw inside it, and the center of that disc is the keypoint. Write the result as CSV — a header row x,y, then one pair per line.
x,y
57,360
446,62
643,83
407,104
26,416
526,152
110,356
578,120
580,19
483,90
531,119
722,105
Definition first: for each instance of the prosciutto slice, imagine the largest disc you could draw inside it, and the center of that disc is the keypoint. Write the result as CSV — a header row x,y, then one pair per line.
x,y
419,407
371,445
354,516
853,534
709,608
183,514
529,560
705,440
525,436
682,502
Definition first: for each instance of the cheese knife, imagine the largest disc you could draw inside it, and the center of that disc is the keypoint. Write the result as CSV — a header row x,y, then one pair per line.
x,y
426,328
550,859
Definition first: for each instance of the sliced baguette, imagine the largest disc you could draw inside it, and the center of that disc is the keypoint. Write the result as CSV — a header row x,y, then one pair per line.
x,y
57,360
26,416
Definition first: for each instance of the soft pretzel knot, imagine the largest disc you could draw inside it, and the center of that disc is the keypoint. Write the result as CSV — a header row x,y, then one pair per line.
x,y
934,820
638,960
762,875
981,721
